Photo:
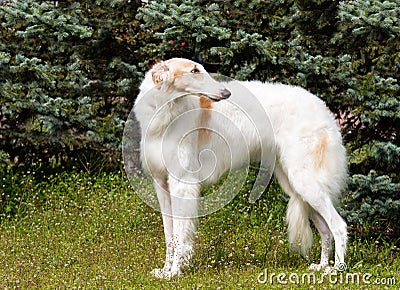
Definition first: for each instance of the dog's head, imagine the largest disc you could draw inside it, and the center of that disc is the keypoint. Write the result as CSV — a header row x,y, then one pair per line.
x,y
187,77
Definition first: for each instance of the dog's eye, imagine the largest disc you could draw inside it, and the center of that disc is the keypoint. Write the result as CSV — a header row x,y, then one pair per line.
x,y
195,70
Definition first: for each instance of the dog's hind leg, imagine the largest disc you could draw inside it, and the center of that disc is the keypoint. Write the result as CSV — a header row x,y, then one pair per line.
x,y
326,240
164,199
321,202
324,206
323,213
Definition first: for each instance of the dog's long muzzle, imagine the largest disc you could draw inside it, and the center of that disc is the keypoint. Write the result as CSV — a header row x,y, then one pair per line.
x,y
223,94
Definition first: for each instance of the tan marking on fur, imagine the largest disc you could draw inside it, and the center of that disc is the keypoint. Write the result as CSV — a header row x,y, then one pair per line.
x,y
204,134
171,69
183,68
160,73
320,150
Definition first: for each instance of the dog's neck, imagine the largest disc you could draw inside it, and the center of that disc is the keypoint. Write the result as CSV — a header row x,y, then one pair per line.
x,y
157,109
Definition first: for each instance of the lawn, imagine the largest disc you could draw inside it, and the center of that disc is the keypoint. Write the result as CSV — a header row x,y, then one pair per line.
x,y
81,230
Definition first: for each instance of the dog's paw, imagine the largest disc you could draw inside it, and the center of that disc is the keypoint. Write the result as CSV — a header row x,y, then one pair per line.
x,y
318,267
329,270
161,273
165,274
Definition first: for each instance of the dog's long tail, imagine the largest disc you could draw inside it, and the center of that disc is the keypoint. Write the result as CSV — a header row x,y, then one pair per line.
x,y
297,219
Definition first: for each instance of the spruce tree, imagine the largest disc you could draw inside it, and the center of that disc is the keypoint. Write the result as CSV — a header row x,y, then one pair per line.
x,y
66,78
368,34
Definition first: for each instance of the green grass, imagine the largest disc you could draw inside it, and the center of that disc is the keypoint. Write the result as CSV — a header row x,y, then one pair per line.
x,y
75,230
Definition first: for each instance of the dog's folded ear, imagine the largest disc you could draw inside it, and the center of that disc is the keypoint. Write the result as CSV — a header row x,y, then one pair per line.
x,y
160,73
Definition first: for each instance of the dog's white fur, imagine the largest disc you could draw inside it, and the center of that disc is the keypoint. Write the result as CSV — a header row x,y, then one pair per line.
x,y
311,163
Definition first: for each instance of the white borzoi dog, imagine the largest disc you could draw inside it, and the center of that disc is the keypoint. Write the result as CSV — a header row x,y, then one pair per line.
x,y
311,163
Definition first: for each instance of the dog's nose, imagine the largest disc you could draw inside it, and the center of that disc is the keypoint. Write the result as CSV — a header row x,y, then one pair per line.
x,y
225,94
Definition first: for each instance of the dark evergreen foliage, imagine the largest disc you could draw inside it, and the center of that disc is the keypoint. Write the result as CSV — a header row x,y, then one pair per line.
x,y
69,73
67,78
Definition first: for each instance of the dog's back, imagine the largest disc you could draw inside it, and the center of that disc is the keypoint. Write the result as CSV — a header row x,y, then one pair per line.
x,y
306,134
302,131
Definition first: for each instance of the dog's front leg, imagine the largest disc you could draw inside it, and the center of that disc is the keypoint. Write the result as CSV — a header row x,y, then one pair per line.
x,y
163,195
184,204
